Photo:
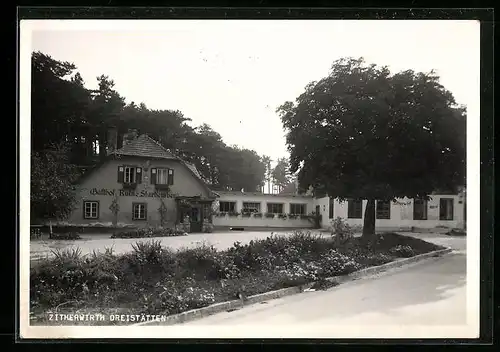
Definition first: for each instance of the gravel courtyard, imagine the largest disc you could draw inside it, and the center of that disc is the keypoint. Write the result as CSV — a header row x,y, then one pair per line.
x,y
97,242
221,240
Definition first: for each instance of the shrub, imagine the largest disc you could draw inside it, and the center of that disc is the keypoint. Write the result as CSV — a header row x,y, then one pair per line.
x,y
173,300
148,252
373,259
69,276
386,241
148,233
67,255
341,231
205,262
71,236
335,263
269,215
402,251
247,257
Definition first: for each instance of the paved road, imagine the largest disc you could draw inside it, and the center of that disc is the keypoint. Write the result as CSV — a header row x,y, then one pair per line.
x,y
428,293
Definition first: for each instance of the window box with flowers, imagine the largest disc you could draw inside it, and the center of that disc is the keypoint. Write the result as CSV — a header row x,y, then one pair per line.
x,y
246,214
233,214
293,216
305,217
282,216
270,215
257,215
162,187
129,185
221,214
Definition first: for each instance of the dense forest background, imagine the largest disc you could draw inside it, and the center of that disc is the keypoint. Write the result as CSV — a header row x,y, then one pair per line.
x,y
73,128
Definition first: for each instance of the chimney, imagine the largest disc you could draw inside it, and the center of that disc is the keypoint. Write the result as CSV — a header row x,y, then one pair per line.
x,y
112,140
129,136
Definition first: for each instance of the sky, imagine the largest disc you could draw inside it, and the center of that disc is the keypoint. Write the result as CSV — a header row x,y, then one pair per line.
x,y
233,74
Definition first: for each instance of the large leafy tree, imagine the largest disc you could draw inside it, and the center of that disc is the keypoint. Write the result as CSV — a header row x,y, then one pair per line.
x,y
104,112
362,132
59,102
240,168
52,176
281,175
266,160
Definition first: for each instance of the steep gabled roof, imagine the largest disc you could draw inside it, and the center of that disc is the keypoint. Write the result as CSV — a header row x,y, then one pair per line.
x,y
193,169
146,147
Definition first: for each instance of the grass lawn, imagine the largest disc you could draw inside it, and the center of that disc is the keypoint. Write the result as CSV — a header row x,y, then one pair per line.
x,y
153,280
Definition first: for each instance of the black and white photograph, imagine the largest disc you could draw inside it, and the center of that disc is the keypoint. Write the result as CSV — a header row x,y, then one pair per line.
x,y
249,178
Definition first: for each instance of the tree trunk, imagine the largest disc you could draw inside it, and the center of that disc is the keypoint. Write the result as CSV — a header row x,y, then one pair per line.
x,y
103,142
369,222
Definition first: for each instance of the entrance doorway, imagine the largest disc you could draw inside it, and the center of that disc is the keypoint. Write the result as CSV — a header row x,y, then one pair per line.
x,y
195,219
317,218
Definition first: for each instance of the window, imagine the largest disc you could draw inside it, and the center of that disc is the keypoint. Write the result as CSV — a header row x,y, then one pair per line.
x,y
355,208
139,211
298,209
330,208
383,209
419,209
227,207
162,176
129,174
446,209
251,207
90,209
275,208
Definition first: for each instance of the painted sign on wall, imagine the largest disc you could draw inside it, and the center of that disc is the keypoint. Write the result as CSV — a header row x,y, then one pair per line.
x,y
129,193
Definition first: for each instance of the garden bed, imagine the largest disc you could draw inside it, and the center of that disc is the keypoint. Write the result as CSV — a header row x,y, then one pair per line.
x,y
148,233
156,280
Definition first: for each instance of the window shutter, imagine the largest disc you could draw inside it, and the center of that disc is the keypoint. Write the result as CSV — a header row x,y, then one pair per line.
x,y
121,170
170,177
153,176
138,175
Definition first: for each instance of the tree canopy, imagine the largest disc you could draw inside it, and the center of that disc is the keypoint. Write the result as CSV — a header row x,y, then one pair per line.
x,y
281,174
362,132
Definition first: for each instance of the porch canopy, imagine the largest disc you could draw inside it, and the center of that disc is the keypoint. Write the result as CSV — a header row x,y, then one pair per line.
x,y
198,208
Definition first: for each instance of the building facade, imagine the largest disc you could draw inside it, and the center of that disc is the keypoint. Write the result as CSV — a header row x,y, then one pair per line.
x,y
142,184
296,211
